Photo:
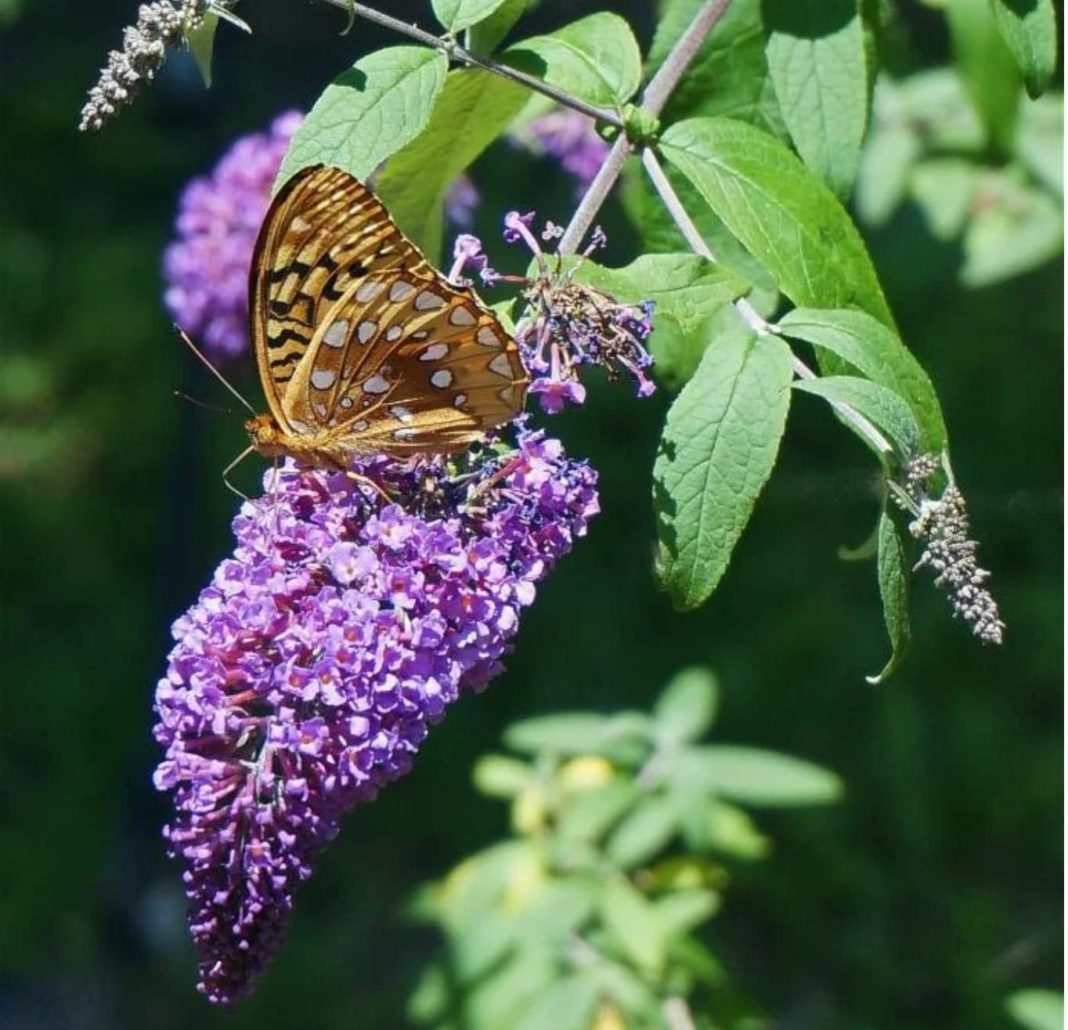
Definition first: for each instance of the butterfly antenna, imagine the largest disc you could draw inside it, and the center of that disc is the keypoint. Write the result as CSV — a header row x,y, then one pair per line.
x,y
201,404
214,371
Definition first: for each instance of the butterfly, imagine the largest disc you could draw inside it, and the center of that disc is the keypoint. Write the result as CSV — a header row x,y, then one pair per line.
x,y
362,346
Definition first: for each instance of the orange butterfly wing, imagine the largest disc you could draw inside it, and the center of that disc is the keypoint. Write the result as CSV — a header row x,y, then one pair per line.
x,y
359,338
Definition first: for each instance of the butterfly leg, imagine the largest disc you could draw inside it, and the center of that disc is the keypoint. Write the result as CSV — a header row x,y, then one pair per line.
x,y
357,477
502,473
229,468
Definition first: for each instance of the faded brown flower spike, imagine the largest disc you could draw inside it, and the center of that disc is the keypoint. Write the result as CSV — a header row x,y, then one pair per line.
x,y
160,27
941,523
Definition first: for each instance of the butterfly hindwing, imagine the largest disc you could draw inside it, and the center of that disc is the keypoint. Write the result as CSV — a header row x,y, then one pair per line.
x,y
407,364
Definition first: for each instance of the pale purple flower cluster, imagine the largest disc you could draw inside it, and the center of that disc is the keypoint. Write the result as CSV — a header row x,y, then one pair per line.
x,y
219,216
572,139
306,675
568,324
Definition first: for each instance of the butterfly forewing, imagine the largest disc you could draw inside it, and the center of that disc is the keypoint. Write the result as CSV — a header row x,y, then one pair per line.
x,y
358,336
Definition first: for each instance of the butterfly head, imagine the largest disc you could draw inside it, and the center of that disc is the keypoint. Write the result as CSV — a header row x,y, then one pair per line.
x,y
265,435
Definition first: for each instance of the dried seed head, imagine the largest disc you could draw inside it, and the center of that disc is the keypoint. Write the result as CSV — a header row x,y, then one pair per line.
x,y
160,27
942,524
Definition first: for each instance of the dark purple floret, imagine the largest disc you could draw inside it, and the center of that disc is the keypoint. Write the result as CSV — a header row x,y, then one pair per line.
x,y
305,677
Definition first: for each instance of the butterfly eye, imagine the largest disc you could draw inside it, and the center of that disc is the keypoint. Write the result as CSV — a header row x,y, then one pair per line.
x,y
476,448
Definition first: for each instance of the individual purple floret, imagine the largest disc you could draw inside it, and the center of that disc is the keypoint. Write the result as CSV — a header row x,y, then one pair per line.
x,y
219,215
305,677
569,137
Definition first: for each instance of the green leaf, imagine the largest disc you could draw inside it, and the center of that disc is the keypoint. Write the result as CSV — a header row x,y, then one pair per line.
x,y
595,58
892,146
578,733
710,824
1040,141
687,707
568,1003
885,409
589,814
987,69
457,15
486,36
1029,28
815,51
475,107
632,921
498,776
202,45
943,188
683,911
1019,228
1037,1009
876,351
782,213
757,777
894,591
644,833
729,75
717,451
558,909
368,112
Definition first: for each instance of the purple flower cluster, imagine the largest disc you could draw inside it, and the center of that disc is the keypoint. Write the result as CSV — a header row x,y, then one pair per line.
x,y
306,675
569,137
219,216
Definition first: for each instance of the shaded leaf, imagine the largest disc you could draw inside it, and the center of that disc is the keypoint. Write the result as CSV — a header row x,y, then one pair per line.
x,y
882,407
894,591
1029,29
717,451
815,52
595,58
782,213
475,107
986,68
202,44
368,112
487,35
457,15
877,351
729,75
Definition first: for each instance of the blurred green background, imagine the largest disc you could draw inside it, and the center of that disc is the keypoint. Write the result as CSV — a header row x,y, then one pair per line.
x,y
927,895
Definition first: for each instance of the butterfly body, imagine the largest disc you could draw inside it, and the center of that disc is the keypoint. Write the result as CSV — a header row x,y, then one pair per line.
x,y
362,346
